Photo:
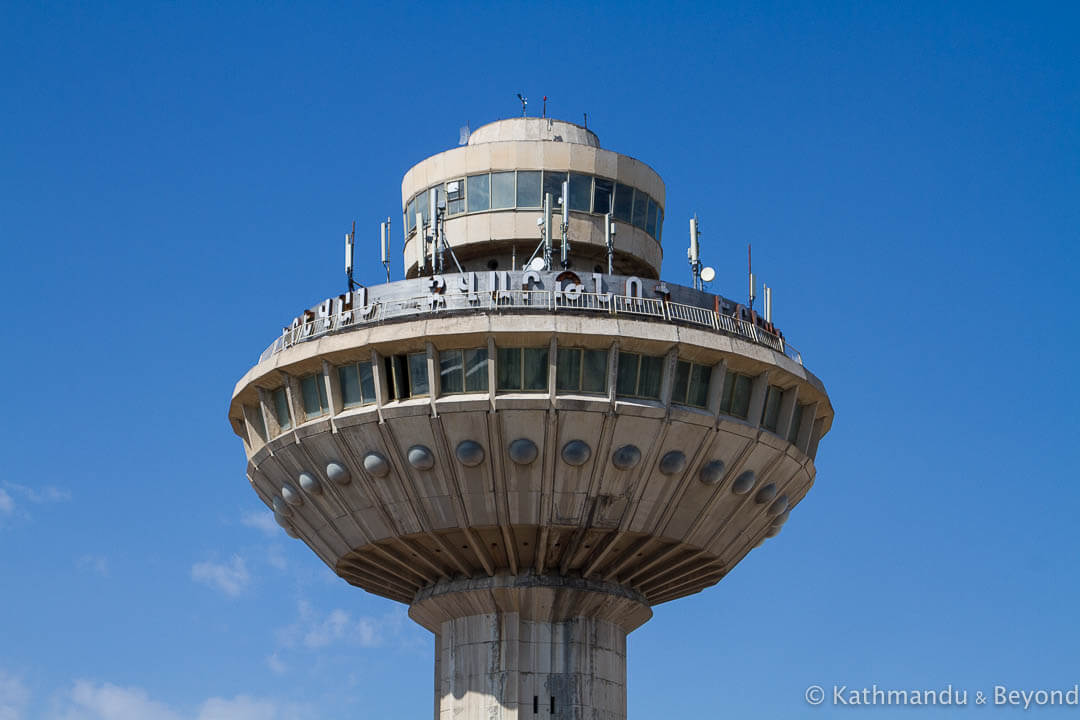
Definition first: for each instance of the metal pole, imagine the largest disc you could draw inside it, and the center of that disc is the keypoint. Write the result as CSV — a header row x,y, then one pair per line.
x,y
609,241
564,251
547,231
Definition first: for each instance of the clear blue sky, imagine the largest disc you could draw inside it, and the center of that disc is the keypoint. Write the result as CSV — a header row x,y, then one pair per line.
x,y
175,180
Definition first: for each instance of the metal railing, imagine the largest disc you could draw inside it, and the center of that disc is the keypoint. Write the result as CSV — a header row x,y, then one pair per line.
x,y
530,300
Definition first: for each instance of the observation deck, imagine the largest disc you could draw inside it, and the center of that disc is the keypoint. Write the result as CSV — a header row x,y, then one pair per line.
x,y
531,458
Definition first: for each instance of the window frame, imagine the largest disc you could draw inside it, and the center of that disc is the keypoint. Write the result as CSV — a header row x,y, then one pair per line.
x,y
464,370
637,377
279,399
521,369
684,400
579,388
359,383
320,398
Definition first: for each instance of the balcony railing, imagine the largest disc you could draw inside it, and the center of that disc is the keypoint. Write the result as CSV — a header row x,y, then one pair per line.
x,y
526,301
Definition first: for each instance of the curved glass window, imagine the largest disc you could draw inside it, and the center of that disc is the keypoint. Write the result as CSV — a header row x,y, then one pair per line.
x,y
641,209
624,202
580,191
602,192
479,193
553,184
502,190
455,197
528,189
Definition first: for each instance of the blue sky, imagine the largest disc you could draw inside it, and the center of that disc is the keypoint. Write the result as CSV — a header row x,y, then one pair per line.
x,y
175,180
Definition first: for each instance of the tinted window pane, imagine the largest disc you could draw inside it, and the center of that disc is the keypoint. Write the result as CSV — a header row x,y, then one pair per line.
x,y
536,368
367,382
659,222
310,393
740,399
479,193
650,220
729,391
602,191
350,386
502,190
698,394
509,368
652,369
796,420
568,369
553,184
641,209
281,409
476,370
455,197
451,372
418,373
580,191
594,371
410,214
624,202
682,382
423,206
628,368
260,424
528,189
770,415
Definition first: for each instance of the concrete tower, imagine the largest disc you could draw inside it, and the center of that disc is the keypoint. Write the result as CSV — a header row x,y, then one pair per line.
x,y
528,449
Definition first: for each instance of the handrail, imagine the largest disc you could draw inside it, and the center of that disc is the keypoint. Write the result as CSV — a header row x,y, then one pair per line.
x,y
534,300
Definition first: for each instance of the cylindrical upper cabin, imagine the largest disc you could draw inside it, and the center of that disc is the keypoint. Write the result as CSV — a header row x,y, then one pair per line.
x,y
493,190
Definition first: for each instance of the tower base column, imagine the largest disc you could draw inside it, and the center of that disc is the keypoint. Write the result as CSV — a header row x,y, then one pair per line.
x,y
529,647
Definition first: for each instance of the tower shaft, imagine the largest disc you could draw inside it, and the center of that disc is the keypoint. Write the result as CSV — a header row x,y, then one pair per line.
x,y
513,647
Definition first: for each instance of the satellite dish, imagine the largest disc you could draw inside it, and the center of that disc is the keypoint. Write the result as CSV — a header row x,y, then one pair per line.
x,y
537,264
707,274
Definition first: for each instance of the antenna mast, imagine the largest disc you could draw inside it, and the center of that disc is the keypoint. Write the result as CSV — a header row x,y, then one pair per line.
x,y
350,245
693,254
524,101
384,246
564,251
750,270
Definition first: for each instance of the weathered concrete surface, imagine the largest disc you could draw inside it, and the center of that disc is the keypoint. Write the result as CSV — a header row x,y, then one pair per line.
x,y
529,646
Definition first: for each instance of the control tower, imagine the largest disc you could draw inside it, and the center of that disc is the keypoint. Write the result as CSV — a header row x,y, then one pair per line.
x,y
531,439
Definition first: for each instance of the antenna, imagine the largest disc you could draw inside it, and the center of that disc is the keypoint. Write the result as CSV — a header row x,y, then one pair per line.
x,y
421,249
750,270
768,304
463,136
384,246
693,253
547,231
350,242
564,251
524,101
609,241
545,107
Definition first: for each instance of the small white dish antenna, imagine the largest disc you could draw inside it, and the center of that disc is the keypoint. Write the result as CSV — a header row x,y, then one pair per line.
x,y
708,274
537,264
539,221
